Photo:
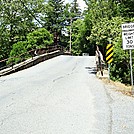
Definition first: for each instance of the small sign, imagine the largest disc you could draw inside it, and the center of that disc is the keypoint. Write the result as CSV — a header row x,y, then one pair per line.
x,y
128,40
127,27
109,53
128,43
128,36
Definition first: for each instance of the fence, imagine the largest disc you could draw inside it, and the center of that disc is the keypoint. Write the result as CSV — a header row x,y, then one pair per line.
x,y
36,56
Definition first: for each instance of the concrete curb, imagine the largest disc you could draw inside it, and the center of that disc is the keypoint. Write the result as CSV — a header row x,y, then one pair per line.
x,y
105,74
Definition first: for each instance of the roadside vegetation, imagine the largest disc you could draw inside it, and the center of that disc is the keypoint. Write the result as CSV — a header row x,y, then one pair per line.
x,y
28,24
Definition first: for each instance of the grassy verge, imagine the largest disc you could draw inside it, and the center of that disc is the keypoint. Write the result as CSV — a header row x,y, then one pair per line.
x,y
117,86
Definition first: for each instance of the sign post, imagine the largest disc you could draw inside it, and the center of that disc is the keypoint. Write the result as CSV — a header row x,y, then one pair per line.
x,y
131,66
128,44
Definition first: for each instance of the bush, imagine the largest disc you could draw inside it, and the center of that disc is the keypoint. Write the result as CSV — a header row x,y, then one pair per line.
x,y
39,38
120,68
18,52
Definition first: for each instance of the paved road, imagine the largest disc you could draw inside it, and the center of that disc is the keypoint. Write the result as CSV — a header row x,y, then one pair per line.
x,y
62,96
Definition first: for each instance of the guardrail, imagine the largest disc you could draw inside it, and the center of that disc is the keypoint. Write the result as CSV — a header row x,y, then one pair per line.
x,y
37,56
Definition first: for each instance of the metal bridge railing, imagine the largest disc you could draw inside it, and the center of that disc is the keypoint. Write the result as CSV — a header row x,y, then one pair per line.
x,y
33,54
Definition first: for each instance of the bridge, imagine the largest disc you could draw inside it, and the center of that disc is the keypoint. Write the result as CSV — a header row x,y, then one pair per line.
x,y
62,95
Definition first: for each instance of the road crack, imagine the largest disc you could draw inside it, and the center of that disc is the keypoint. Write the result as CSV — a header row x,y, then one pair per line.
x,y
10,116
61,77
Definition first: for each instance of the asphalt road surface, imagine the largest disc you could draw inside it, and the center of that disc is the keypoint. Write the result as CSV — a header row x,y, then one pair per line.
x,y
63,96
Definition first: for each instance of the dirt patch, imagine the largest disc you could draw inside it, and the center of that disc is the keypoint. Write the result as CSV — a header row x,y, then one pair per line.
x,y
117,86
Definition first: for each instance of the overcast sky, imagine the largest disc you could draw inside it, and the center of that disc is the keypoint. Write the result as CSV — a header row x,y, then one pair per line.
x,y
81,3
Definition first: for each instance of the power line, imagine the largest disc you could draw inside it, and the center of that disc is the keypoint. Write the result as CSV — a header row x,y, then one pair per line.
x,y
30,12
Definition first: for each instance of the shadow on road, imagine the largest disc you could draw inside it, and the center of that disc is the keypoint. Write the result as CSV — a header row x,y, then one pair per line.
x,y
91,70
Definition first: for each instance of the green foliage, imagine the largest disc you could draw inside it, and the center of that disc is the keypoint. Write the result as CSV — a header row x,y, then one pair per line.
x,y
18,52
80,31
126,8
75,10
101,9
39,38
120,69
16,21
76,27
106,18
102,22
106,29
53,17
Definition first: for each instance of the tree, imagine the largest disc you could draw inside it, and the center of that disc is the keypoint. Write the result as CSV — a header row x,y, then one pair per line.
x,y
39,38
53,18
80,44
126,8
100,35
105,19
75,10
16,21
87,45
120,69
18,52
101,9
95,13
76,27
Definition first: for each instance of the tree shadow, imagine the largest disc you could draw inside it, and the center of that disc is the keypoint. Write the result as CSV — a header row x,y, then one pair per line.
x,y
91,70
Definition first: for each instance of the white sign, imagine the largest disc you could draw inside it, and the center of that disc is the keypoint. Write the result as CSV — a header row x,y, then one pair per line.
x,y
127,26
128,36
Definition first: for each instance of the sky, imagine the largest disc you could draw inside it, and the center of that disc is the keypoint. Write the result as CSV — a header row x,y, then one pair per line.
x,y
80,2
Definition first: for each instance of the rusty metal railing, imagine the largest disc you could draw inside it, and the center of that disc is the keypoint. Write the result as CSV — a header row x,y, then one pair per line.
x,y
32,53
